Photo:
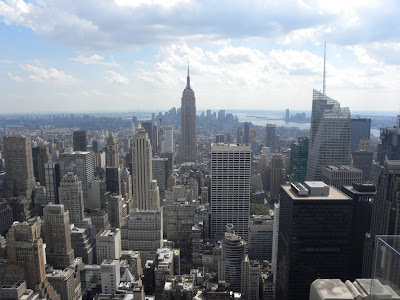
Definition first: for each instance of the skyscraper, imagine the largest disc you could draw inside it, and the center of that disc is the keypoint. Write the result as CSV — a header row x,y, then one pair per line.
x,y
25,248
330,135
270,137
145,194
81,163
360,130
20,179
143,229
53,173
231,258
71,196
112,154
79,141
169,139
59,252
277,175
246,136
315,237
299,159
188,124
230,188
385,210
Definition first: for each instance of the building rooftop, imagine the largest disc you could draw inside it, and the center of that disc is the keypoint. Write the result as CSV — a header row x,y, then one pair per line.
x,y
334,194
342,168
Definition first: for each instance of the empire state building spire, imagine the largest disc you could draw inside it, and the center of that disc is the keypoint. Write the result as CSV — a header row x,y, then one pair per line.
x,y
188,79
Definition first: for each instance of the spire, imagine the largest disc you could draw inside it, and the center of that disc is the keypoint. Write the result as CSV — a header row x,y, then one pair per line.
x,y
188,79
324,85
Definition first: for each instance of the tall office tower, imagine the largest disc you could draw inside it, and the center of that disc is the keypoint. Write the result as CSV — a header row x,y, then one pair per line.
x,y
299,159
363,160
110,276
143,232
160,173
275,249
385,211
116,207
339,176
277,175
143,229
221,115
112,154
145,193
79,141
169,139
126,184
148,127
53,173
246,135
389,146
59,252
239,135
17,153
96,146
270,137
108,244
188,124
220,138
362,195
260,238
25,248
360,130
312,243
230,188
113,180
82,165
330,135
71,196
35,161
40,156
287,116
6,217
230,258
97,190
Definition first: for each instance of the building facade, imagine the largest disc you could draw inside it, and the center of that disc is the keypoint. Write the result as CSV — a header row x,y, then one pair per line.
x,y
230,188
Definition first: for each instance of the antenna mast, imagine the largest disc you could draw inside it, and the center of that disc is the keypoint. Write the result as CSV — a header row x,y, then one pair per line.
x,y
324,85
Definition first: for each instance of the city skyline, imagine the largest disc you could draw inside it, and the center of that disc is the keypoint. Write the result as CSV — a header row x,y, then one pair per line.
x,y
117,56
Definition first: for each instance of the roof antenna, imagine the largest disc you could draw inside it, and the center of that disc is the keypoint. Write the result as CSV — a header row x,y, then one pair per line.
x,y
324,85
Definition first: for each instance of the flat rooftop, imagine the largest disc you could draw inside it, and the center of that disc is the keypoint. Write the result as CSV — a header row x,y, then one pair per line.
x,y
334,194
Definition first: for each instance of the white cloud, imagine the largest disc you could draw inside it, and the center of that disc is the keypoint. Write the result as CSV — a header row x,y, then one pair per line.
x,y
93,60
115,78
228,76
105,24
40,74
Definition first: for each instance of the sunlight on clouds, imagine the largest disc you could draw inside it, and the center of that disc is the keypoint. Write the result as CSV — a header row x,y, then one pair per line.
x,y
39,74
93,60
138,3
115,78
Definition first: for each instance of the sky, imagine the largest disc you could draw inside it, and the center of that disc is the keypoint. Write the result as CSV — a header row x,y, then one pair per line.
x,y
127,55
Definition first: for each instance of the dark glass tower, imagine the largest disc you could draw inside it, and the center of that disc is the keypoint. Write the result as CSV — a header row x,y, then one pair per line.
x,y
315,237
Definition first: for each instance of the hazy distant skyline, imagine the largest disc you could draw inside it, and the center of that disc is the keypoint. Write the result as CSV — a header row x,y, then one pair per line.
x,y
126,55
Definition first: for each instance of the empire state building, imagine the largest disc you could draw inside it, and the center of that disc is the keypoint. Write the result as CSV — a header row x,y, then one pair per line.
x,y
188,124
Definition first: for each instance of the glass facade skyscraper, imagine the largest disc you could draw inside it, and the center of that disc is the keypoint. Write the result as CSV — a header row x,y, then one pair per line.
x,y
329,135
